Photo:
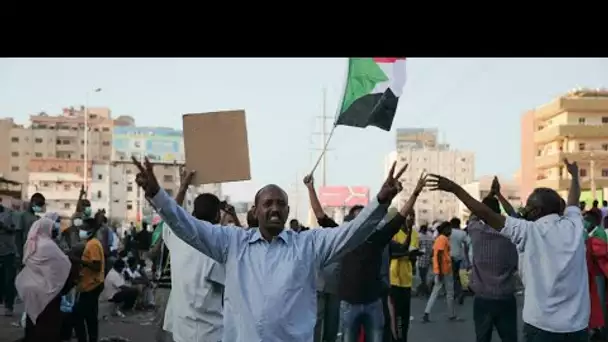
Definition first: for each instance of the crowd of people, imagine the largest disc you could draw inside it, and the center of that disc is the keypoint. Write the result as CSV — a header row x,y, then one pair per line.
x,y
211,278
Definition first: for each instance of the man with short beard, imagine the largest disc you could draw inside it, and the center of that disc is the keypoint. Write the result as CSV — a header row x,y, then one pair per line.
x,y
270,271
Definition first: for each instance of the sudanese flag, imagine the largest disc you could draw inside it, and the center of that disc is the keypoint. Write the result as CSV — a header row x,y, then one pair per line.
x,y
373,88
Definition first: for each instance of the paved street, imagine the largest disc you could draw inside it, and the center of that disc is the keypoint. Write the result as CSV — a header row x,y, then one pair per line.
x,y
439,329
140,328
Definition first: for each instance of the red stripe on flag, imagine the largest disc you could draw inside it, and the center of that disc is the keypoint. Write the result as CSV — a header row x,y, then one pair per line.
x,y
387,59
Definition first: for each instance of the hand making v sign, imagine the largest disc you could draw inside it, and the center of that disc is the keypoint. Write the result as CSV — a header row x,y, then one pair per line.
x,y
146,178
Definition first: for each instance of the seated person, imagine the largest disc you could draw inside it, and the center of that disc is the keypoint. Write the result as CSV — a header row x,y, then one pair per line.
x,y
135,275
117,291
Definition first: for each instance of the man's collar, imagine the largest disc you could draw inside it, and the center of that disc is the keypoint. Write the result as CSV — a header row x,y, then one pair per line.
x,y
256,236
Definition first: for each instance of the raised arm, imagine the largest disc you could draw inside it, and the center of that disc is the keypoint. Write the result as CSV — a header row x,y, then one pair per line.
x,y
495,190
331,244
494,220
574,194
317,209
383,235
211,240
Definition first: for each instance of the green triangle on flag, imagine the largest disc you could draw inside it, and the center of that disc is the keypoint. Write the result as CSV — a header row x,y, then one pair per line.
x,y
372,91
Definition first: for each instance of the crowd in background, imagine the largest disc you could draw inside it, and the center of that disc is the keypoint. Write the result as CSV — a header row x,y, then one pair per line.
x,y
361,274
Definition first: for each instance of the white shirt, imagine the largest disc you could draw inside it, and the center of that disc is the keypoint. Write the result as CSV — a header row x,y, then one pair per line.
x,y
555,270
112,284
194,309
604,211
457,241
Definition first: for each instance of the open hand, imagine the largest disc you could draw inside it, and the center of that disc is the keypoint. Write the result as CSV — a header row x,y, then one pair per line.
x,y
571,167
437,182
146,178
309,181
391,186
186,177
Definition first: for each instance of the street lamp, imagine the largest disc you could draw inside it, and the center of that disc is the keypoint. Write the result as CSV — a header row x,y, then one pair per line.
x,y
86,136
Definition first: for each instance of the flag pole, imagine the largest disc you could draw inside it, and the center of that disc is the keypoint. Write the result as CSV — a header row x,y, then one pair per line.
x,y
333,129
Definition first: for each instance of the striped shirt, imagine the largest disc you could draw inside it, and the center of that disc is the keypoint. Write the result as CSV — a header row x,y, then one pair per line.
x,y
495,262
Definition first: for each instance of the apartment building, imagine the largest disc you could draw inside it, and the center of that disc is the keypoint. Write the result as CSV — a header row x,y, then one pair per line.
x,y
573,126
480,188
420,147
53,139
61,190
99,188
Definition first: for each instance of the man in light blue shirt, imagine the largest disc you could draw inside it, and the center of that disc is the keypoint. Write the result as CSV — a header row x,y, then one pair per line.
x,y
270,293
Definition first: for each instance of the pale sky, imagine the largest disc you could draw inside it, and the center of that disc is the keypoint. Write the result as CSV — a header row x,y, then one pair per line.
x,y
475,103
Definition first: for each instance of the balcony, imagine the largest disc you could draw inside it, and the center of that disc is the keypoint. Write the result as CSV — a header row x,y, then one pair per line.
x,y
571,104
65,148
67,133
570,131
557,159
564,183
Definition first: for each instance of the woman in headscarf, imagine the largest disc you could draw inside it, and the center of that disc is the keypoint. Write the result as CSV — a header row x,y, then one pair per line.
x,y
46,276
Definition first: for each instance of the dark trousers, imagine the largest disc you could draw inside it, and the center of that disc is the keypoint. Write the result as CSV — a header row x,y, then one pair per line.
x,y
401,297
67,326
388,334
533,334
495,313
126,297
48,324
423,288
328,317
86,312
8,272
456,275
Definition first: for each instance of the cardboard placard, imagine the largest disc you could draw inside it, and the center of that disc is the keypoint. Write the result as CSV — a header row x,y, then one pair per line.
x,y
216,146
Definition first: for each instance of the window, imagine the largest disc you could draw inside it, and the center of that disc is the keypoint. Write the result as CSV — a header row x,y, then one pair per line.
x,y
605,147
115,182
581,121
15,139
15,168
129,206
99,176
128,171
581,146
106,129
14,154
129,188
38,140
66,187
583,172
66,205
168,178
99,194
105,143
58,142
38,155
605,173
605,119
82,156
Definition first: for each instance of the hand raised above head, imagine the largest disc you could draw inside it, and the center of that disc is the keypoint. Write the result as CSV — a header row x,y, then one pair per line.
x,y
571,167
437,182
495,188
186,177
391,186
145,178
309,181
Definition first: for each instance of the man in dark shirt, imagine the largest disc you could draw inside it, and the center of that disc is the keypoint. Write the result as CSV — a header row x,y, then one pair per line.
x,y
361,285
144,240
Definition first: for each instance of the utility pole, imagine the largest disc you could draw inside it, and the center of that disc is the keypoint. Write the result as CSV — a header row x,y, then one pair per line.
x,y
323,133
